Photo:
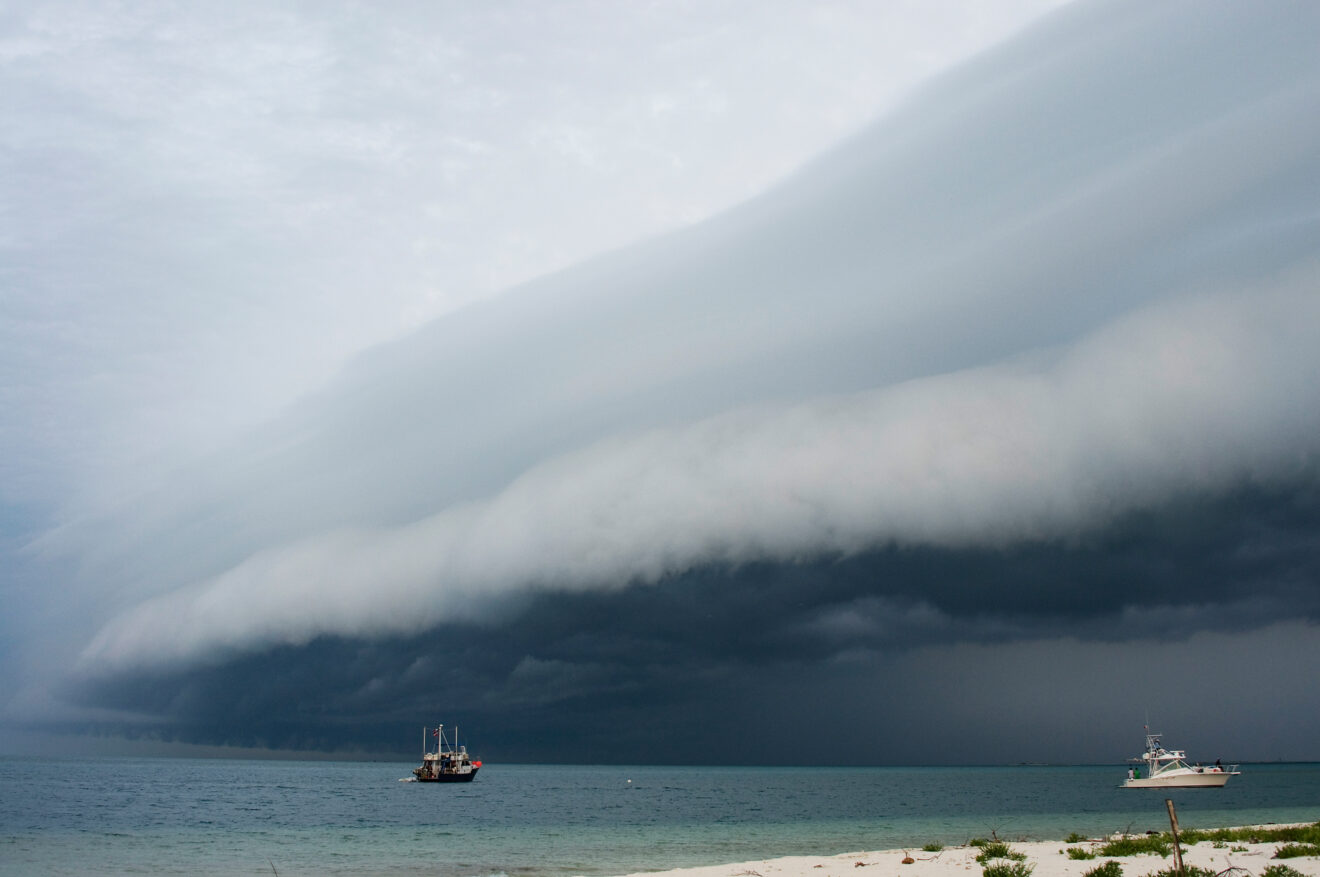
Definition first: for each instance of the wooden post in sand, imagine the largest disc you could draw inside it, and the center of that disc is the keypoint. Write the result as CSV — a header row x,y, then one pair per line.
x,y
1177,849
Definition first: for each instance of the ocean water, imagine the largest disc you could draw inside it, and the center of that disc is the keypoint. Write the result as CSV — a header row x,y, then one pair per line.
x,y
222,817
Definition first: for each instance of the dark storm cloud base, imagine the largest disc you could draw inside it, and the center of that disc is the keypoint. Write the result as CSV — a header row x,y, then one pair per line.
x,y
620,676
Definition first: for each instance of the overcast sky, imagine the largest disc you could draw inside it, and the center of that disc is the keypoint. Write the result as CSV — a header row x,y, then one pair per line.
x,y
928,380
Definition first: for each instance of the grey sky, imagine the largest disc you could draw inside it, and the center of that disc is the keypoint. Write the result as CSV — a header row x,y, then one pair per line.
x,y
963,382
206,212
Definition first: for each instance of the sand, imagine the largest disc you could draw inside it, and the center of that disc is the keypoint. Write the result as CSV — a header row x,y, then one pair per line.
x,y
1049,859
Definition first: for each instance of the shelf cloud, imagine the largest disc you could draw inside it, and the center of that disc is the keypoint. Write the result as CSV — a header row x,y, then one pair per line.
x,y
1190,396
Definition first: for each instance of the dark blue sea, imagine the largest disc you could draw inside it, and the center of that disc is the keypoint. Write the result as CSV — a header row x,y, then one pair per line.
x,y
204,817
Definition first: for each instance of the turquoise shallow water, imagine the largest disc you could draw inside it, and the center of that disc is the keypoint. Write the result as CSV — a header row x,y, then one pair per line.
x,y
184,816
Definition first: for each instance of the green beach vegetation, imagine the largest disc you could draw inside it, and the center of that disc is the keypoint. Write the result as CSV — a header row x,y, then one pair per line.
x,y
998,859
1257,834
1188,871
1296,840
1002,868
1135,846
999,850
1280,871
1108,869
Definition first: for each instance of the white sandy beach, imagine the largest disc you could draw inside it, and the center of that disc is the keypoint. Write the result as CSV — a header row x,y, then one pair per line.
x,y
1049,858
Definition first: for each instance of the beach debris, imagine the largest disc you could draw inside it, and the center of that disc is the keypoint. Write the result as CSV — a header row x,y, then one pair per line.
x,y
907,858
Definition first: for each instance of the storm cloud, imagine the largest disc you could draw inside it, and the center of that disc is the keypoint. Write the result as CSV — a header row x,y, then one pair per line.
x,y
1166,404
1019,381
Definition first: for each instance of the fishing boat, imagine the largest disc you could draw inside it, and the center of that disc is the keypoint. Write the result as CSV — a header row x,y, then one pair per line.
x,y
447,764
1162,768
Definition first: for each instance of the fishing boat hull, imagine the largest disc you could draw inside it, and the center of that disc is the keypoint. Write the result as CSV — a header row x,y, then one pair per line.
x,y
1206,780
449,778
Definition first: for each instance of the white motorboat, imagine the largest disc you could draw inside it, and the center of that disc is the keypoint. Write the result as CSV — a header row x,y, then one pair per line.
x,y
1161,768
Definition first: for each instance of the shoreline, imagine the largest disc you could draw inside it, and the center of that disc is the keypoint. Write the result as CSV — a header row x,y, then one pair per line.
x,y
1046,858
